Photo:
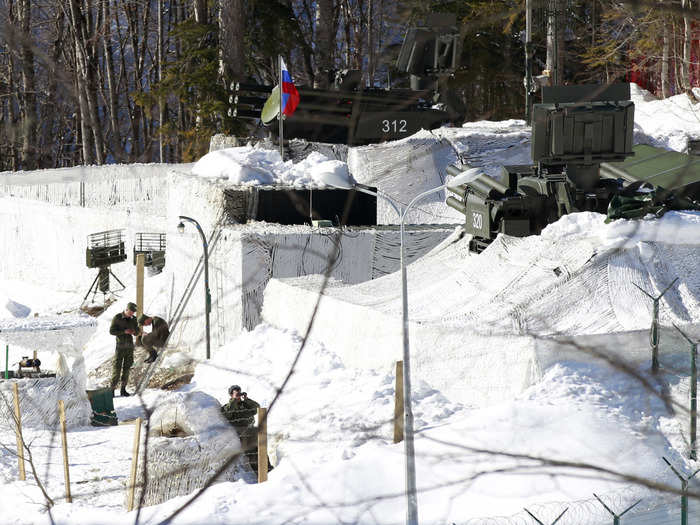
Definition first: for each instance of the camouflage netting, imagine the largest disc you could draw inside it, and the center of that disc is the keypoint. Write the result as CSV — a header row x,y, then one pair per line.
x,y
38,401
364,254
188,442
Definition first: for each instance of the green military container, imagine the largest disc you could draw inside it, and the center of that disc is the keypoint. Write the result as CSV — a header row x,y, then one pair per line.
x,y
102,403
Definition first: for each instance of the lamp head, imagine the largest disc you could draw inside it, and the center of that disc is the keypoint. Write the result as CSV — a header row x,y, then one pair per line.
x,y
181,227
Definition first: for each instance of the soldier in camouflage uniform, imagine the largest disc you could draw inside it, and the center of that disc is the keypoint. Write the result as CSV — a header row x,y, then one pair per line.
x,y
124,327
240,411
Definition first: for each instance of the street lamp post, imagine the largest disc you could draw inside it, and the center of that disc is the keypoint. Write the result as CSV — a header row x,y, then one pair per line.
x,y
346,182
207,295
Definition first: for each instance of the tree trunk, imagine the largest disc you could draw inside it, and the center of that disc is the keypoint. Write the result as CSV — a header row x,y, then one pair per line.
x,y
132,17
80,80
232,40
324,43
687,29
112,96
28,99
48,156
200,11
12,96
348,31
181,117
664,62
555,41
370,43
85,62
161,100
359,31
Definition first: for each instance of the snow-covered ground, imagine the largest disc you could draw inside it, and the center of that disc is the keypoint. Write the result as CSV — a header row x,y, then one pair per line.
x,y
330,430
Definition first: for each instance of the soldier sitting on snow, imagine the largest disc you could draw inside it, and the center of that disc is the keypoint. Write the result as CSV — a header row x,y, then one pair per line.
x,y
156,338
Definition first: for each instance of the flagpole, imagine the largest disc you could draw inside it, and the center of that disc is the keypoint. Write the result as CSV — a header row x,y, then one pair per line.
x,y
281,114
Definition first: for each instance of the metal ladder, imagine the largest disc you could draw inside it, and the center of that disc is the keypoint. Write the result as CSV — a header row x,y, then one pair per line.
x,y
180,308
220,321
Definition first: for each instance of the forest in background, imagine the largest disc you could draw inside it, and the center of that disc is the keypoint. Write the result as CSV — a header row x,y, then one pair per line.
x,y
102,81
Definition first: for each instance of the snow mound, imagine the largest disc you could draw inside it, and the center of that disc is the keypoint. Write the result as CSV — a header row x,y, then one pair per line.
x,y
680,122
676,227
189,440
194,414
255,165
640,95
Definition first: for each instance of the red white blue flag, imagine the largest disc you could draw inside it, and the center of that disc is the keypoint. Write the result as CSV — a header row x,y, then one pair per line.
x,y
290,95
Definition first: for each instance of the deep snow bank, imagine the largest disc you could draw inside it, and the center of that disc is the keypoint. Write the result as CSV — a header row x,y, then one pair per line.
x,y
482,319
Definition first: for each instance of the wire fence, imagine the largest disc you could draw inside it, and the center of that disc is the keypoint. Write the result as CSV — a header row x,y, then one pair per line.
x,y
650,509
109,186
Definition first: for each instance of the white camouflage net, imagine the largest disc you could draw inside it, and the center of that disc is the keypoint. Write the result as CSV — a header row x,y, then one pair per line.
x,y
180,465
38,401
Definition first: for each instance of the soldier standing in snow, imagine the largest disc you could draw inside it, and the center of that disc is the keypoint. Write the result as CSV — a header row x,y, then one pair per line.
x,y
240,411
157,338
124,327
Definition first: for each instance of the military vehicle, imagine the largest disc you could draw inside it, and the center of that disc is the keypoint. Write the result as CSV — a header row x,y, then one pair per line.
x,y
351,114
574,130
582,148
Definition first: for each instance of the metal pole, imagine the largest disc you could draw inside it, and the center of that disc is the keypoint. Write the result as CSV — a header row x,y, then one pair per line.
x,y
693,393
684,502
684,488
411,492
616,517
281,114
693,400
411,495
409,450
528,57
207,295
655,338
654,331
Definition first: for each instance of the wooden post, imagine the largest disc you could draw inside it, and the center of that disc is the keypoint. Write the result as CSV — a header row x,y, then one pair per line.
x,y
134,466
140,263
398,404
64,439
18,431
262,444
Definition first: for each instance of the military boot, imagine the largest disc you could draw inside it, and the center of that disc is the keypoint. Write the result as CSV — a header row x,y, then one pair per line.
x,y
124,393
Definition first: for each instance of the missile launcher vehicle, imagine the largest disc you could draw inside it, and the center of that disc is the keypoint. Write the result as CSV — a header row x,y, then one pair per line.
x,y
350,113
574,130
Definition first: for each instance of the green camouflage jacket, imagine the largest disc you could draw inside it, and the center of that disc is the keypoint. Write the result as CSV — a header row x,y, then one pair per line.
x,y
121,323
240,413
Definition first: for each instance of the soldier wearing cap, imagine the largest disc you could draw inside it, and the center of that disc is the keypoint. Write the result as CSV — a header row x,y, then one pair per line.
x,y
240,411
156,338
123,327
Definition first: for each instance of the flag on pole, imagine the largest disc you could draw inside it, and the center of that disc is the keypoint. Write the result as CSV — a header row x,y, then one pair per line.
x,y
290,95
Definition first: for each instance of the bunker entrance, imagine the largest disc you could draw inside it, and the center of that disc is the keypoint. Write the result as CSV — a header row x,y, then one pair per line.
x,y
287,205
